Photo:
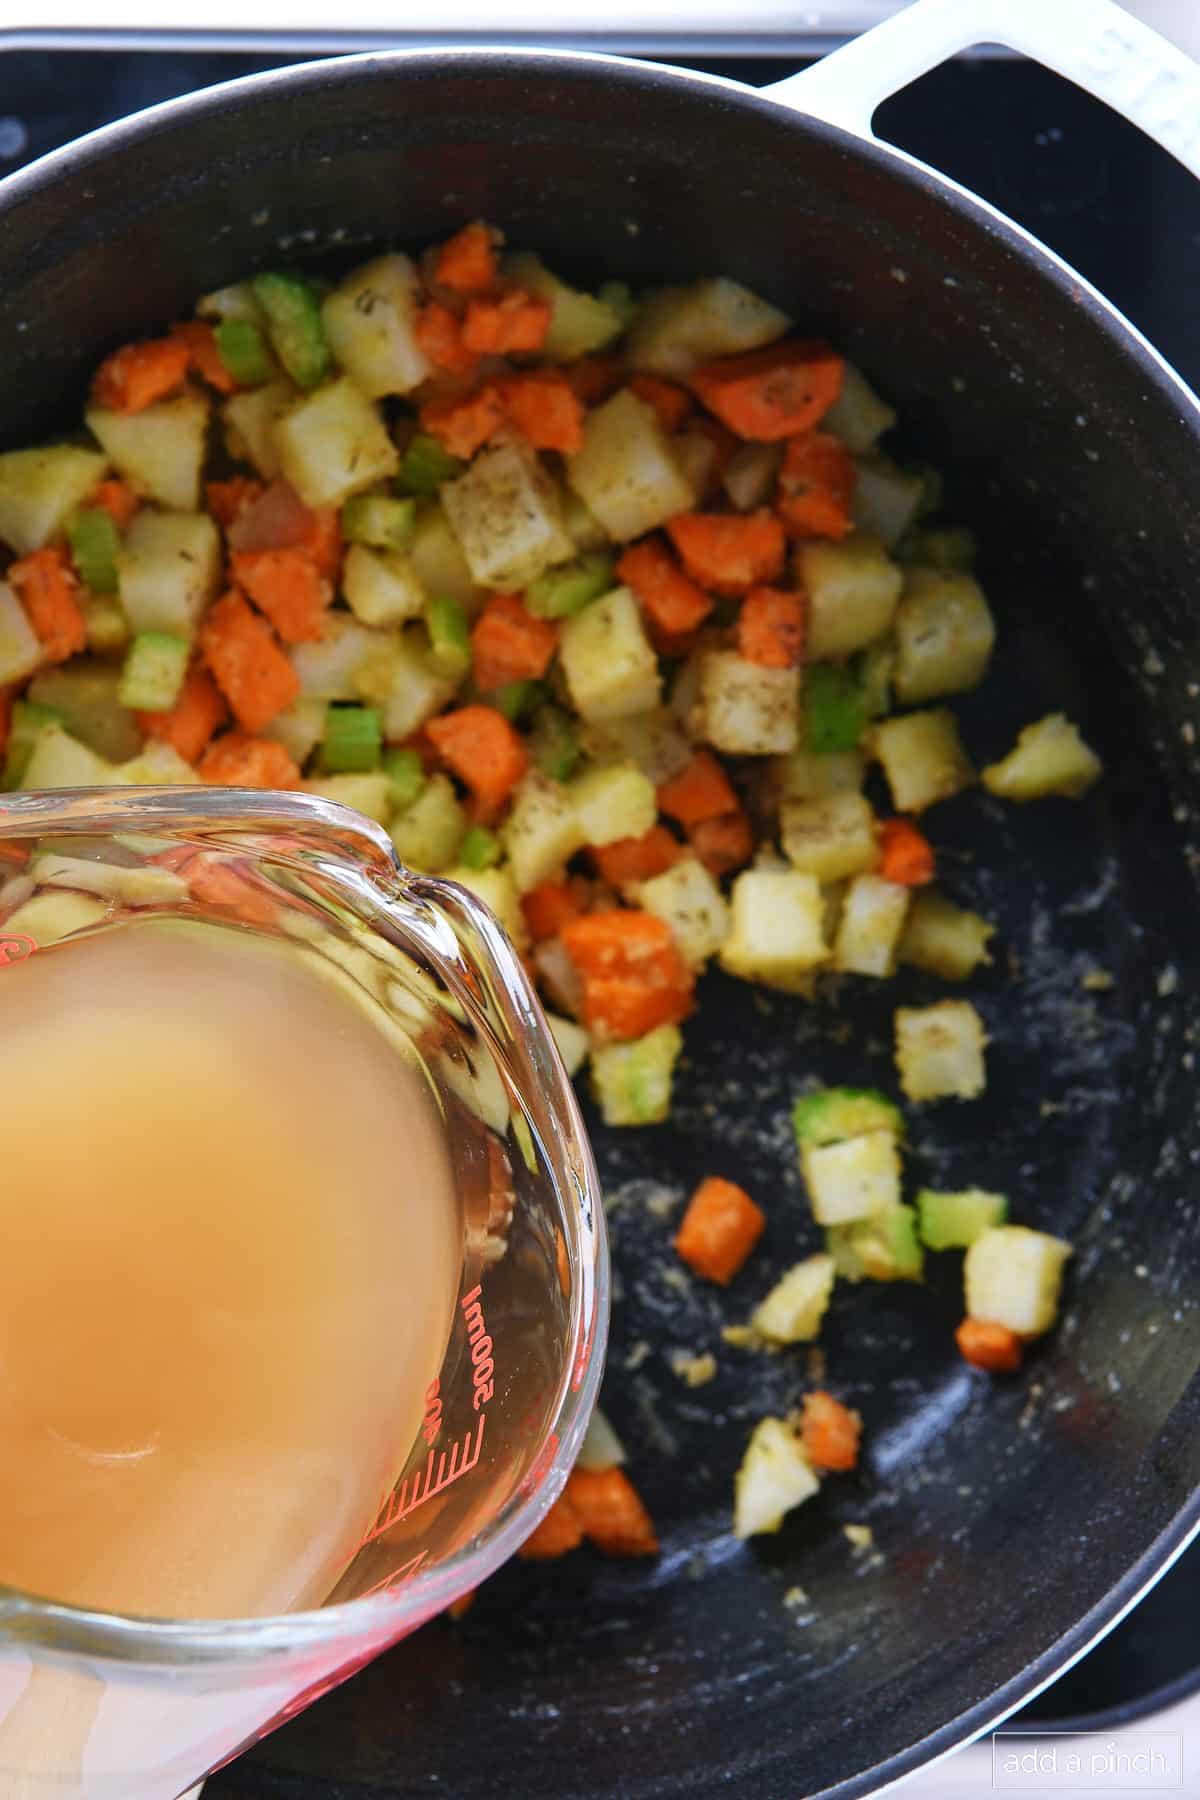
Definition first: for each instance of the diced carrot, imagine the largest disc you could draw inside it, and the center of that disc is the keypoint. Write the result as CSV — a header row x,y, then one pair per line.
x,y
829,1432
246,661
700,791
770,628
516,321
772,393
47,589
216,881
596,378
675,644
6,706
467,262
509,644
134,377
191,722
238,760
905,854
729,553
637,858
816,486
458,1609
617,1008
634,978
988,1346
200,341
438,332
463,425
289,588
723,844
671,403
550,906
611,1512
478,744
720,1228
228,500
323,542
671,600
117,499
544,408
559,1532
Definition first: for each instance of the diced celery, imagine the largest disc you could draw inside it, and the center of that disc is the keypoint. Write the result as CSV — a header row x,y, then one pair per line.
x,y
244,352
938,547
449,635
28,720
379,521
633,1081
618,297
518,699
153,671
554,744
883,1248
425,465
954,1221
834,707
428,832
480,848
352,740
94,543
563,591
834,1114
293,313
406,773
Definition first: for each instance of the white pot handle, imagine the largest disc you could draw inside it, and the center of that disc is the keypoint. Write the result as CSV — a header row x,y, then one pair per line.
x,y
1094,43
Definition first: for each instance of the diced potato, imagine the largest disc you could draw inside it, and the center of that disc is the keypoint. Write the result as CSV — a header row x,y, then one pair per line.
x,y
106,625
84,691
886,499
369,793
679,327
945,939
776,934
498,891
748,710
59,761
853,590
1014,1276
695,454
775,1476
872,920
250,421
793,1310
405,681
333,443
48,918
852,1180
602,1448
20,650
327,669
858,416
111,881
944,635
692,904
813,774
579,323
40,489
923,758
157,765
939,1051
632,1082
427,834
506,513
436,559
572,1040
381,587
542,831
626,472
159,450
169,568
876,667
831,837
299,728
750,475
369,321
610,667
612,803
1050,757
654,741
582,526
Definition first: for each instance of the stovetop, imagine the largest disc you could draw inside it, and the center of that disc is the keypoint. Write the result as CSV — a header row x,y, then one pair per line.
x,y
1117,208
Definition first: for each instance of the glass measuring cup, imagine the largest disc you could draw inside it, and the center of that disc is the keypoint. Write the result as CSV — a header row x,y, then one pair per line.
x,y
113,1708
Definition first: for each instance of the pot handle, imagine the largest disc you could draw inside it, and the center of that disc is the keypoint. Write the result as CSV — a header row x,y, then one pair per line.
x,y
1094,43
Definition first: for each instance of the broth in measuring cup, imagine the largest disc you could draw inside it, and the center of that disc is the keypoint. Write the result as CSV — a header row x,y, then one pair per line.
x,y
232,1252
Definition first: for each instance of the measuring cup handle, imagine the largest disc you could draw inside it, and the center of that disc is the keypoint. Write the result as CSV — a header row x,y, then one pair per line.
x,y
1094,43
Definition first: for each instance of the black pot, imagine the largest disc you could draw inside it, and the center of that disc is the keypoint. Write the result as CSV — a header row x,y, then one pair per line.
x,y
1014,1521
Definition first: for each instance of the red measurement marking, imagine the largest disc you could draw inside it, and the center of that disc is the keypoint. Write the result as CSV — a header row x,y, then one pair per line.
x,y
404,1573
416,1489
15,948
